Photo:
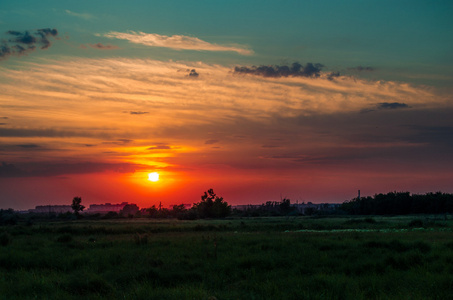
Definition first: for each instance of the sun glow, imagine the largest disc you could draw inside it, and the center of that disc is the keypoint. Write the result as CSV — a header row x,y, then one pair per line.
x,y
154,176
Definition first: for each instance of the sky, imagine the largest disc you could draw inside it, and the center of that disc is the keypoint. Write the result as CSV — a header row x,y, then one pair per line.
x,y
259,100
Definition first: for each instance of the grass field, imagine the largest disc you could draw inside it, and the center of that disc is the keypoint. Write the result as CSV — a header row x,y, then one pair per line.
x,y
258,258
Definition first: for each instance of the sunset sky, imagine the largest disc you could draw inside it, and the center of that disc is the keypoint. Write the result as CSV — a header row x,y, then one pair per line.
x,y
308,100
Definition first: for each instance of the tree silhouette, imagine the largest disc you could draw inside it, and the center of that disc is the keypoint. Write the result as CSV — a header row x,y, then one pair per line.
x,y
212,206
400,203
77,206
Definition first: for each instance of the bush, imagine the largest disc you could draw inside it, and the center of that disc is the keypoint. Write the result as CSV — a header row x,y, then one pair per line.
x,y
5,239
417,223
190,214
141,239
8,217
65,238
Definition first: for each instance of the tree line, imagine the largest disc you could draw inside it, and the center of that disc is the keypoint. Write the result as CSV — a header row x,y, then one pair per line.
x,y
210,206
400,203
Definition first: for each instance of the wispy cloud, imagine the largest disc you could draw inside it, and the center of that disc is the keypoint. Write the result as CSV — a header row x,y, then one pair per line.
x,y
123,106
85,16
139,112
362,69
100,46
177,42
159,147
45,169
210,142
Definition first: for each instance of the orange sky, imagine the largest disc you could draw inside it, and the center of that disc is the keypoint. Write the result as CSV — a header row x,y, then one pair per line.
x,y
257,113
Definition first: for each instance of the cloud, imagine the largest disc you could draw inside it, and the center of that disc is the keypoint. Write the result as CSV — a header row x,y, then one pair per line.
x,y
89,101
21,43
362,69
29,146
332,75
45,169
193,73
159,147
295,70
85,16
210,142
177,42
10,170
138,112
46,132
119,142
101,46
394,105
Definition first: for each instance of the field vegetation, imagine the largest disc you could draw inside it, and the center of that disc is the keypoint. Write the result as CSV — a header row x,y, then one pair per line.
x,y
300,257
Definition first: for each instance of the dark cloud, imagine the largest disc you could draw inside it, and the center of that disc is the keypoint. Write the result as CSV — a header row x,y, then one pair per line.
x,y
3,118
138,112
332,75
40,169
119,142
21,43
159,147
295,70
46,132
361,69
210,142
193,73
10,170
28,146
394,105
432,135
385,106
101,46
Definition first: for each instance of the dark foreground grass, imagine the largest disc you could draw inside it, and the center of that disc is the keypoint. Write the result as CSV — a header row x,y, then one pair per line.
x,y
233,259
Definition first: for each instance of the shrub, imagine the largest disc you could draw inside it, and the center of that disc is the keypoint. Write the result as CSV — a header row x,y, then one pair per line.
x,y
65,238
8,217
5,239
141,239
416,223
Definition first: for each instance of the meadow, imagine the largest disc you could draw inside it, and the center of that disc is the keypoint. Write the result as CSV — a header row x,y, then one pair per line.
x,y
408,257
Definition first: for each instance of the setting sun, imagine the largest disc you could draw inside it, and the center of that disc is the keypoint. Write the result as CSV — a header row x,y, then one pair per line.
x,y
153,176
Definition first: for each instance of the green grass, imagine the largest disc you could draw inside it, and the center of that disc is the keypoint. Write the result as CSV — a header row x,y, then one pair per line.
x,y
262,258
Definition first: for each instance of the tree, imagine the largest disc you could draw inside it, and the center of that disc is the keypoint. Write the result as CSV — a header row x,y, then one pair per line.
x,y
77,206
178,211
129,210
285,206
212,206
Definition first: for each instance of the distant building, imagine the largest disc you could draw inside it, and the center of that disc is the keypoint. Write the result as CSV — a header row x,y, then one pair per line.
x,y
302,208
48,209
105,208
247,207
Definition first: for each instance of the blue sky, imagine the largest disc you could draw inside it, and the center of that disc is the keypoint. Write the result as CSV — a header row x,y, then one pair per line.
x,y
394,35
207,94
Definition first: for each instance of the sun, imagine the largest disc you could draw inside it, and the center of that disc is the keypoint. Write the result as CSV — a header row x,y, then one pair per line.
x,y
154,176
